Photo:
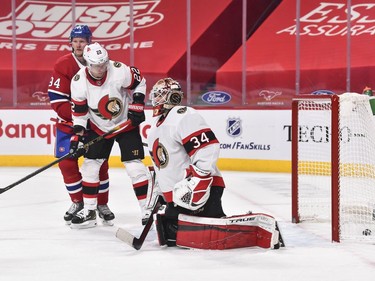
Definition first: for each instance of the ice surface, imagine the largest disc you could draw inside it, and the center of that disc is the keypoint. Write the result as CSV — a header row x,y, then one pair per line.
x,y
35,243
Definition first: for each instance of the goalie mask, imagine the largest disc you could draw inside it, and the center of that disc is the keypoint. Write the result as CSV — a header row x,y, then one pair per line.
x,y
164,95
97,60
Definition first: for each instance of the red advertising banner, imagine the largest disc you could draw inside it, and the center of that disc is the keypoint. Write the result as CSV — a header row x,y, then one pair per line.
x,y
333,54
324,61
43,28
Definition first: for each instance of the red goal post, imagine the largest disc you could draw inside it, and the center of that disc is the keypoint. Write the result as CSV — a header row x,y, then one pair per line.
x,y
333,164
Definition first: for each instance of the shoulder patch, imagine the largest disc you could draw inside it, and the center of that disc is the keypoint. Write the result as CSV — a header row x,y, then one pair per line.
x,y
117,64
182,110
76,77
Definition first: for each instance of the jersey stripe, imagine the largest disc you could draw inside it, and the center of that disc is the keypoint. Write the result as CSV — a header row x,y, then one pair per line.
x,y
80,108
198,140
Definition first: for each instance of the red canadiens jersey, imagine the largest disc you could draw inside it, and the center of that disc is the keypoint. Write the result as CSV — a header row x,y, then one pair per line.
x,y
104,103
178,140
59,89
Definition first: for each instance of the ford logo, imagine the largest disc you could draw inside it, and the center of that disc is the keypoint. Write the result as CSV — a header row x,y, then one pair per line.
x,y
216,97
323,92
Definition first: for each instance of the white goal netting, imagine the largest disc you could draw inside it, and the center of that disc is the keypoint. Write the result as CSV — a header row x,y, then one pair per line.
x,y
354,155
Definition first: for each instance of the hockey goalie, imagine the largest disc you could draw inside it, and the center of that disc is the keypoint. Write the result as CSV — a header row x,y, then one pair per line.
x,y
185,151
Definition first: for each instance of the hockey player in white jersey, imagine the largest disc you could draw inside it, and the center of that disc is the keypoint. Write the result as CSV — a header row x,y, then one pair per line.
x,y
185,151
100,101
59,94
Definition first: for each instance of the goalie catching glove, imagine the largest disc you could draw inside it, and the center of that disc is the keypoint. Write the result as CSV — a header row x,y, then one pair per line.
x,y
193,192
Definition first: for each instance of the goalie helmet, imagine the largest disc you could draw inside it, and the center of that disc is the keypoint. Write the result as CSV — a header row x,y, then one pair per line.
x,y
81,31
164,95
97,59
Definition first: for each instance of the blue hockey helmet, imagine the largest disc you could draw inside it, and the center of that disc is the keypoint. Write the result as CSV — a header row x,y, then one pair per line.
x,y
81,31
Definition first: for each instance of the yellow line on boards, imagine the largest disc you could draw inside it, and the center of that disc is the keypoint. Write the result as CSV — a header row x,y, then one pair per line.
x,y
225,164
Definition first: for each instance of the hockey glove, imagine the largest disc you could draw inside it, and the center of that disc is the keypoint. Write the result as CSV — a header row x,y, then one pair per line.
x,y
193,191
136,110
76,142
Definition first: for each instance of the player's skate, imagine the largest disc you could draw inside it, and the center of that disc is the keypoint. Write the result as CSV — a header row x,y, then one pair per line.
x,y
73,210
84,219
146,213
106,214
152,194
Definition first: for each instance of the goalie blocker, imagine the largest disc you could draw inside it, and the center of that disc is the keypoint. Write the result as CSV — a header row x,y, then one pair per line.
x,y
249,230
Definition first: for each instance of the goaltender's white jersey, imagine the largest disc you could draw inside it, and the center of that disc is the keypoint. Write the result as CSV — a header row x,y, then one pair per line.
x,y
104,102
181,138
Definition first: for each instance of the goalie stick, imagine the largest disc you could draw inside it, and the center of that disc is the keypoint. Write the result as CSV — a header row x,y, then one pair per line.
x,y
85,146
133,241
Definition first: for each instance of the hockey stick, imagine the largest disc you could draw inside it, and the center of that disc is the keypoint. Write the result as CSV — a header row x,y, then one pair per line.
x,y
85,146
130,239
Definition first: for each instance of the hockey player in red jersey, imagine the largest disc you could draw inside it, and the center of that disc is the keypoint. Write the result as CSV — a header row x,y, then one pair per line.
x,y
100,97
185,151
60,97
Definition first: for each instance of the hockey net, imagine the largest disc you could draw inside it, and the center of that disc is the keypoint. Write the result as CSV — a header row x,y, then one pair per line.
x,y
333,164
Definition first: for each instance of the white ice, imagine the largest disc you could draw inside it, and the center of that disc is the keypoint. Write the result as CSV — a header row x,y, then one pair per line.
x,y
35,243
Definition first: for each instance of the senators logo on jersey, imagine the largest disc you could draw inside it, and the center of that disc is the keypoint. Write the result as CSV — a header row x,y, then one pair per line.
x,y
159,154
109,108
117,64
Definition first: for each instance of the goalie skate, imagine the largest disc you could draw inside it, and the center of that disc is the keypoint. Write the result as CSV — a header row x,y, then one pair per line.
x,y
105,214
278,241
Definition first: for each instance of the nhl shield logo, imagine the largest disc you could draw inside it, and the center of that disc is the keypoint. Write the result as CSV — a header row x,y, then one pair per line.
x,y
234,128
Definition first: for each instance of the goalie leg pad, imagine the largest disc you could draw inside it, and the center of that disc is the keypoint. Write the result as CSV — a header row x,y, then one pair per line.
x,y
241,231
166,230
